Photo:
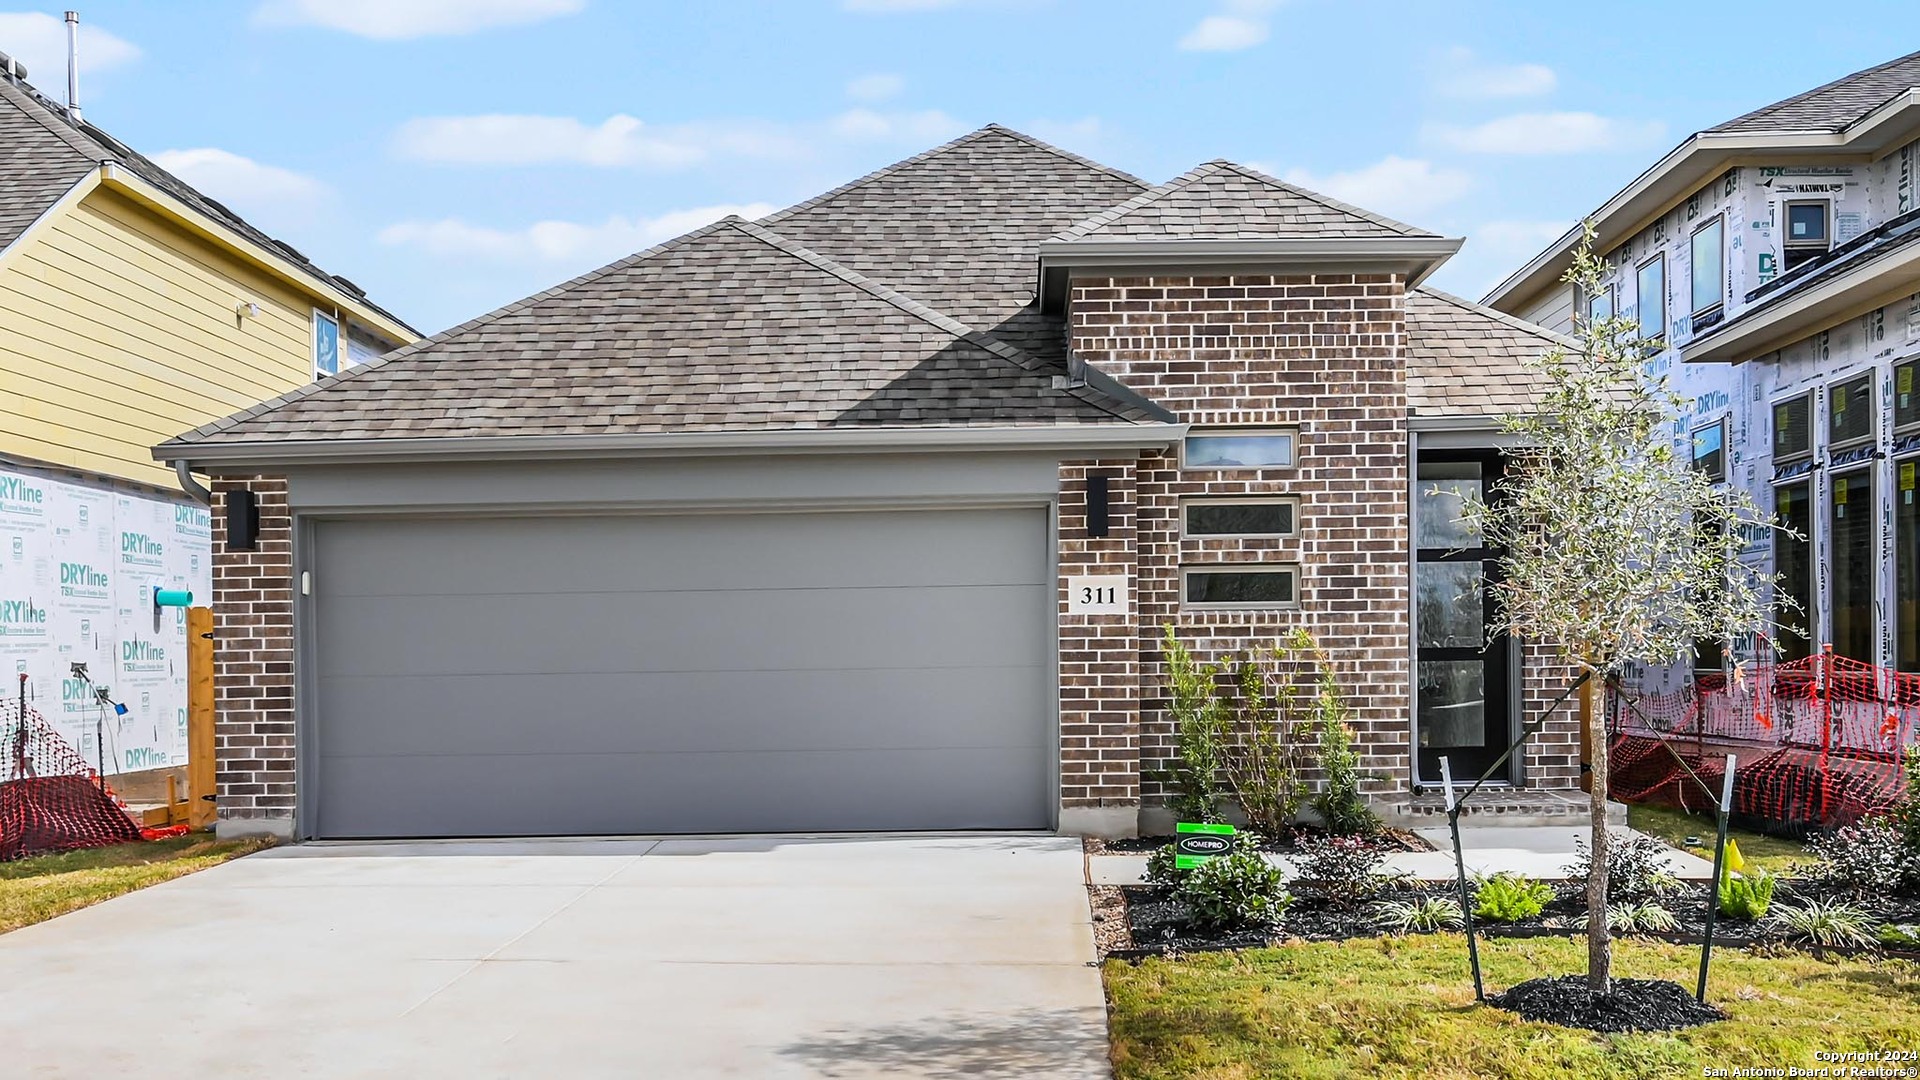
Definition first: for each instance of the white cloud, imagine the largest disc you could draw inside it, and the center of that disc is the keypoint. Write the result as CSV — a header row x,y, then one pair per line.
x,y
246,185
39,42
1395,186
558,241
1465,77
1546,133
866,125
396,20
1239,24
875,87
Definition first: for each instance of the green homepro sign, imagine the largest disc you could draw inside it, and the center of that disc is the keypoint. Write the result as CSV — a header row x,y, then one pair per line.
x,y
1195,843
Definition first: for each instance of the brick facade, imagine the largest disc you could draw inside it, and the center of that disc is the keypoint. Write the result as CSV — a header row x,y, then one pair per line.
x,y
253,664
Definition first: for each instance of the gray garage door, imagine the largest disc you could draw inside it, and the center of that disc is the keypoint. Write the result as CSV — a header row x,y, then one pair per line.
x,y
652,674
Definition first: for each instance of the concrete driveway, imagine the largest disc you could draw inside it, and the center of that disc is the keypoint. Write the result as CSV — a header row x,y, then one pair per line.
x,y
937,956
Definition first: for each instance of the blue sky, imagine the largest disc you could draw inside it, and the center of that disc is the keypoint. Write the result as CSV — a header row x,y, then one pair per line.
x,y
454,155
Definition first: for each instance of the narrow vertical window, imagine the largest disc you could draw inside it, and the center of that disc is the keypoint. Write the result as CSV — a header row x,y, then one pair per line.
x,y
1793,561
326,346
1906,565
1708,265
1850,524
1652,298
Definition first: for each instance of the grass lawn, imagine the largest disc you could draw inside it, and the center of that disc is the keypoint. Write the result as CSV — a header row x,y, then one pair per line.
x,y
1403,1007
36,889
1674,826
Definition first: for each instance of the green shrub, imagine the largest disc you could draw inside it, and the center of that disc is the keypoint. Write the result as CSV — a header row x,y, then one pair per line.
x,y
1344,869
1508,898
1640,918
1161,867
1901,934
1339,803
1636,867
1746,896
1199,732
1867,858
1237,891
1422,916
1830,923
1261,759
1905,812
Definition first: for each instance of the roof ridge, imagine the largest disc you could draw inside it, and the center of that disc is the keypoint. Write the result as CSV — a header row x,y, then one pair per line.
x,y
1111,214
40,110
1829,85
1010,353
860,181
405,351
1495,313
1324,200
1042,144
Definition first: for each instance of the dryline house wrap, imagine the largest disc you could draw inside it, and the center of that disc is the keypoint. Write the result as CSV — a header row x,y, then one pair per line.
x,y
78,566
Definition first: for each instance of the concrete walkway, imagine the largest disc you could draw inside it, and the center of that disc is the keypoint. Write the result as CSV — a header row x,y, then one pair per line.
x,y
746,957
1535,851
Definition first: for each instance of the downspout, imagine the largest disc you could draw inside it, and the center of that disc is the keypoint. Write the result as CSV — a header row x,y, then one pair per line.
x,y
193,487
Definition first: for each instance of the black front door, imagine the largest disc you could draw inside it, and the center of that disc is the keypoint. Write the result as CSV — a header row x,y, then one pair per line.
x,y
1462,674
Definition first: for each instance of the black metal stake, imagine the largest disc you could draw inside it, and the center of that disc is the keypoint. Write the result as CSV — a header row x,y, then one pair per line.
x,y
1460,876
1713,886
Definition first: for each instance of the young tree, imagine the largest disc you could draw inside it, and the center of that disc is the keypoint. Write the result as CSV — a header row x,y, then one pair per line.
x,y
1612,548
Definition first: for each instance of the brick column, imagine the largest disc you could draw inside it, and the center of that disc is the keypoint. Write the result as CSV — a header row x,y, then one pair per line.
x,y
1099,663
253,665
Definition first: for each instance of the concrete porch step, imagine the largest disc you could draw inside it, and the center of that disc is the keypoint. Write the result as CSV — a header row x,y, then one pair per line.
x,y
1493,806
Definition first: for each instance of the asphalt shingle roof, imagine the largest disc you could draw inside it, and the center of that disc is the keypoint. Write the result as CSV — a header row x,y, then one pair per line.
x,y
729,328
43,153
1835,106
1224,201
1467,359
958,226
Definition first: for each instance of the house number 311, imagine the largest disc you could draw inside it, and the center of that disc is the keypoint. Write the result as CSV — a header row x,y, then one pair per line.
x,y
1101,594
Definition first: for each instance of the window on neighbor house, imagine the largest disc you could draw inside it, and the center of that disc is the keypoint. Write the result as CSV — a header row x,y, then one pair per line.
x,y
1238,450
1652,298
1793,428
1906,396
326,345
1710,450
1793,562
1239,586
1850,526
1808,234
1906,565
1850,411
1600,305
1709,260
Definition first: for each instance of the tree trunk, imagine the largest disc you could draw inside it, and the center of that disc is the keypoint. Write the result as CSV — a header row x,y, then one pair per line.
x,y
1599,941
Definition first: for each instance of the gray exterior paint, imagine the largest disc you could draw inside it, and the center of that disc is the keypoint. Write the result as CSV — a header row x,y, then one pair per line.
x,y
682,673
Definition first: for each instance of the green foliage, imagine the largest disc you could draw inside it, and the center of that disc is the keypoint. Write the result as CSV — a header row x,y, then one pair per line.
x,y
1262,756
1423,915
1746,896
1508,897
1905,814
1344,869
1200,736
1900,934
1342,809
1640,918
1636,867
1236,891
1161,867
1830,923
1868,858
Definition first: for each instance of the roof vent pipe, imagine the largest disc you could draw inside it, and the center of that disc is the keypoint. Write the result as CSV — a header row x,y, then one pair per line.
x,y
73,66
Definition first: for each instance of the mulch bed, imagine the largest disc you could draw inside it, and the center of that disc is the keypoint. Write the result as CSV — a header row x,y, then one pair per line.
x,y
1284,844
1634,1004
1158,923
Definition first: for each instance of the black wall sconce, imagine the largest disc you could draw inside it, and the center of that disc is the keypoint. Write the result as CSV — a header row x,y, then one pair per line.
x,y
1097,505
243,521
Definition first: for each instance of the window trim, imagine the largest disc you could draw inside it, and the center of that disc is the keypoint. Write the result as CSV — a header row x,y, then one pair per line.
x,y
1609,293
1292,568
1787,243
313,343
1293,447
1873,420
1640,301
1240,500
1774,432
1720,284
1912,364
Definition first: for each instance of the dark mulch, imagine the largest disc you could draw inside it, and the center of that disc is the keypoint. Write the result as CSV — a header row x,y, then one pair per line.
x,y
1389,839
1634,1004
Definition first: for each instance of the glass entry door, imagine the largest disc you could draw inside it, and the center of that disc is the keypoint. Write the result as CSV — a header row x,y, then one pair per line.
x,y
1463,707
